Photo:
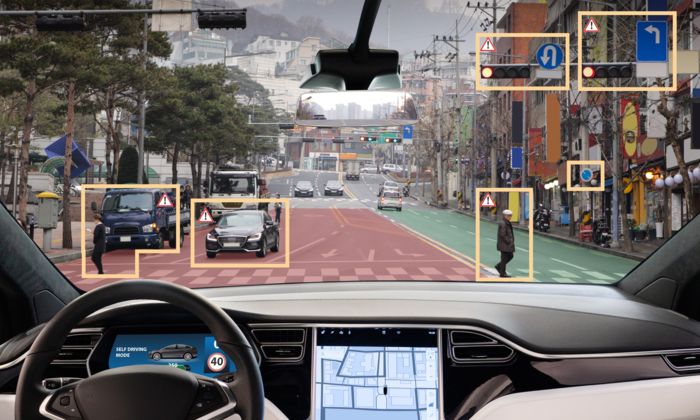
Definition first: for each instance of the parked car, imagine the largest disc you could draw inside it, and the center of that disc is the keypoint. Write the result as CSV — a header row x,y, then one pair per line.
x,y
304,189
133,219
244,231
370,170
174,351
390,199
391,168
333,187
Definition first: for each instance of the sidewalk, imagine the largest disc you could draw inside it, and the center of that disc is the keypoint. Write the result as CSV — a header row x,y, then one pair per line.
x,y
642,249
57,254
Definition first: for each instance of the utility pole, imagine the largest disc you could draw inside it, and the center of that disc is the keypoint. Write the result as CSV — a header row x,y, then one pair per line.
x,y
142,105
439,126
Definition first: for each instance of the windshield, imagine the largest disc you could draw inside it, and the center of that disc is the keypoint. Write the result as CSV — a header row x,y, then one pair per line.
x,y
223,184
240,220
127,202
520,166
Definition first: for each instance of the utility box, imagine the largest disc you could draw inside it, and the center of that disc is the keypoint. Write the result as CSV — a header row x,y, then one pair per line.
x,y
48,210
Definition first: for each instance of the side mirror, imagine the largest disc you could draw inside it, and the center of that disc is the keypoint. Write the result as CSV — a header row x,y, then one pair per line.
x,y
93,206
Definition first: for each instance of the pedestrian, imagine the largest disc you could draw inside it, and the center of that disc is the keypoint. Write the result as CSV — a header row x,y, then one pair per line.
x,y
506,242
278,209
186,196
98,239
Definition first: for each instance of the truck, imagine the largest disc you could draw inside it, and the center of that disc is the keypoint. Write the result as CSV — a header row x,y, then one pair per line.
x,y
233,182
352,170
132,219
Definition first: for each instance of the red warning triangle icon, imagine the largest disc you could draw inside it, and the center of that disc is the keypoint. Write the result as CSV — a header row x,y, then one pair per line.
x,y
488,46
591,26
488,201
205,217
165,201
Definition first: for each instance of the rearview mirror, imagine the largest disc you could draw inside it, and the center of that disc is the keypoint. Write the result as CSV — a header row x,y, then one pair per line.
x,y
356,108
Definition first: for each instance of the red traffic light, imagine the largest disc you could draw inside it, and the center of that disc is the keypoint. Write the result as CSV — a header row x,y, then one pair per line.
x,y
588,72
486,72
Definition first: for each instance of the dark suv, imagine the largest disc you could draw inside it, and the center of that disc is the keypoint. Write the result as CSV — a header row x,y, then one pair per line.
x,y
174,351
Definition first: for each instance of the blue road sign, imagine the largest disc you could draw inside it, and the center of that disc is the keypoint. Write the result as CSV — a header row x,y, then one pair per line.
x,y
586,174
516,157
549,56
407,131
652,41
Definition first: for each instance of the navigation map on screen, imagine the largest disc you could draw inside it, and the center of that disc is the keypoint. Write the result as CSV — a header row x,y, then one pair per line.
x,y
376,374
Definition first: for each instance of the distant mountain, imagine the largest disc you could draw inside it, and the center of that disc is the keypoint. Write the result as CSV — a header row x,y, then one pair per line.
x,y
412,22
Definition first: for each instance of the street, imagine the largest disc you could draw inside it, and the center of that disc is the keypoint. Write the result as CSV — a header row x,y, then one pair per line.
x,y
348,239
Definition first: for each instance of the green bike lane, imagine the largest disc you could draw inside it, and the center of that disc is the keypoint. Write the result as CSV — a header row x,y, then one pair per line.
x,y
554,260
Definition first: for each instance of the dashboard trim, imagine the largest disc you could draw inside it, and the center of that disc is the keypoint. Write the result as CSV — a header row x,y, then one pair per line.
x,y
487,332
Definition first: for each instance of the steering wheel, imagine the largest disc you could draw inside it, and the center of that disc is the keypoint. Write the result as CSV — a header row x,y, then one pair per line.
x,y
141,391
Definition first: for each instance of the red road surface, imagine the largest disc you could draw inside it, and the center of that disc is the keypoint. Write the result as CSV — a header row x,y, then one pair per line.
x,y
326,245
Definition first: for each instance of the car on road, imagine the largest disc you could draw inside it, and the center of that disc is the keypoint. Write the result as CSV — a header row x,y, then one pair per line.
x,y
174,351
391,168
390,199
369,170
352,170
304,189
244,231
388,186
333,187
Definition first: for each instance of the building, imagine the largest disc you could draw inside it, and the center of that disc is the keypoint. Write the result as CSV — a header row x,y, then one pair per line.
x,y
198,47
278,47
300,58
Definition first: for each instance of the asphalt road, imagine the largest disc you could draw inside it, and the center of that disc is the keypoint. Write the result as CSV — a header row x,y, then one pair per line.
x,y
347,239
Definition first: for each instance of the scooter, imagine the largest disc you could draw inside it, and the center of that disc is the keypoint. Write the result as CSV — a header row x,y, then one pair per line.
x,y
406,190
601,233
542,217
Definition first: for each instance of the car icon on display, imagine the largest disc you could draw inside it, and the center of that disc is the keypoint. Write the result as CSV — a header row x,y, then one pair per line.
x,y
174,351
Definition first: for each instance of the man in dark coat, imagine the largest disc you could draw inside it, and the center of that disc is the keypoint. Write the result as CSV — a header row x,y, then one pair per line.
x,y
99,240
506,242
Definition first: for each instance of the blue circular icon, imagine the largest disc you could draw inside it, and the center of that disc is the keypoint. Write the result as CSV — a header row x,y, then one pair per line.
x,y
586,174
549,56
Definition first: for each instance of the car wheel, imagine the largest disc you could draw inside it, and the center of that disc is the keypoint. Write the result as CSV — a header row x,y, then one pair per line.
x,y
211,254
156,356
276,246
263,249
187,356
380,208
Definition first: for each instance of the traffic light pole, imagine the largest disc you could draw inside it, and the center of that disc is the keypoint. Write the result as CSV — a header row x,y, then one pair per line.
x,y
142,106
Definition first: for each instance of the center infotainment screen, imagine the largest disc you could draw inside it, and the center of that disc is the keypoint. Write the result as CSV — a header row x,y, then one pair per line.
x,y
376,373
197,353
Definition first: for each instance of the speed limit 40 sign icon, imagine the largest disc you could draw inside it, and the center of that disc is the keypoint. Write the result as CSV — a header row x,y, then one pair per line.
x,y
216,362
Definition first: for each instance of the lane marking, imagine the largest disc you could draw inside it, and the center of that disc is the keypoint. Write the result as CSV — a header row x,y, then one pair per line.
x,y
370,257
598,275
564,273
292,251
567,263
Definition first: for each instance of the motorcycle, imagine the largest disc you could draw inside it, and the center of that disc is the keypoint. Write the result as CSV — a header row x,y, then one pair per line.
x,y
542,218
406,190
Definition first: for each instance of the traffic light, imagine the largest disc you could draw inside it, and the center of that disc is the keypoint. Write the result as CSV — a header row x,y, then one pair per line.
x,y
338,140
392,140
222,20
369,139
286,126
307,140
505,71
60,22
607,70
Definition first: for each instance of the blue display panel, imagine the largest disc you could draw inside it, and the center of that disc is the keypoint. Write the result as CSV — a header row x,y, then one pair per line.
x,y
196,353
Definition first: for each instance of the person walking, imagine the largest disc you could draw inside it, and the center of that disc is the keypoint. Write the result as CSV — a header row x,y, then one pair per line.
x,y
505,243
98,239
278,209
186,196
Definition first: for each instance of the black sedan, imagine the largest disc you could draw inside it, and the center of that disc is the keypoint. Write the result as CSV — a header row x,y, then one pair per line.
x,y
304,189
333,188
244,231
174,351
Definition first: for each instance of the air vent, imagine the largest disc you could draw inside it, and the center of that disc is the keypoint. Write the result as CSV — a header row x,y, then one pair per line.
x,y
295,336
469,337
77,347
476,347
684,362
281,344
486,353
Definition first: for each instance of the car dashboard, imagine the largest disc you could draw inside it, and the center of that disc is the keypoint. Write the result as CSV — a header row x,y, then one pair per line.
x,y
430,351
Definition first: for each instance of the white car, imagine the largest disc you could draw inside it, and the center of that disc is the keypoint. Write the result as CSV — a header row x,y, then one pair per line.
x,y
369,170
390,167
390,199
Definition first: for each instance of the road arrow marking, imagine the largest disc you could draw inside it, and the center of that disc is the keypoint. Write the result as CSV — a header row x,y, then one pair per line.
x,y
398,251
657,33
333,252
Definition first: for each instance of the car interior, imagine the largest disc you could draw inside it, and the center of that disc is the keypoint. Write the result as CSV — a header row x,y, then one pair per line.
x,y
492,351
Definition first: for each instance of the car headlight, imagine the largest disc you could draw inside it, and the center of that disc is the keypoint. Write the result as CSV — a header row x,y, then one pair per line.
x,y
255,237
212,237
107,230
296,189
149,228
